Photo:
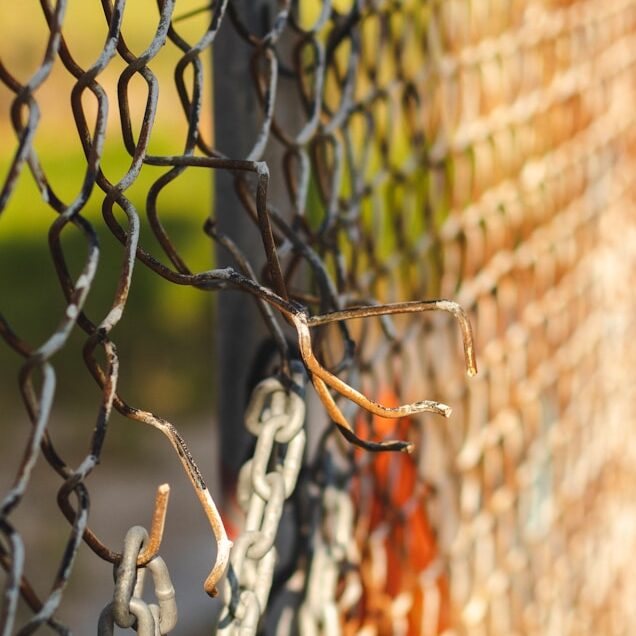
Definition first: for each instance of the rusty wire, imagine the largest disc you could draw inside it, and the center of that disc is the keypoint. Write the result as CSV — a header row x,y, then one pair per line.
x,y
481,152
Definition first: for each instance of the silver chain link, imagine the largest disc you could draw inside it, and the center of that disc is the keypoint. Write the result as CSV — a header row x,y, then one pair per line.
x,y
128,609
320,613
276,417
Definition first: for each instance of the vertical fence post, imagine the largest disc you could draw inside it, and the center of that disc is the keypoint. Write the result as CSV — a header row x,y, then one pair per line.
x,y
239,327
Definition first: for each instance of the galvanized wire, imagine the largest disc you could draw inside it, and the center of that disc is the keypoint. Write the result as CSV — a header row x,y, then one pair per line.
x,y
481,152
276,416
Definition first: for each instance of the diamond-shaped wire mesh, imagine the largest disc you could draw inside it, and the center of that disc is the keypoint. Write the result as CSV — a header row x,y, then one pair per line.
x,y
477,151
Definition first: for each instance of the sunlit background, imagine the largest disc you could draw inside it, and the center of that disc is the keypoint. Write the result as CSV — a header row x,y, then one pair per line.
x,y
165,339
508,449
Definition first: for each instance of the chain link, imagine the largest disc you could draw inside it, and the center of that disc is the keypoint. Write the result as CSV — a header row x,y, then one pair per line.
x,y
275,415
335,550
128,609
480,150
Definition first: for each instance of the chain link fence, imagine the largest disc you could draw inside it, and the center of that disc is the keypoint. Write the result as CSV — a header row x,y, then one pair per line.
x,y
480,152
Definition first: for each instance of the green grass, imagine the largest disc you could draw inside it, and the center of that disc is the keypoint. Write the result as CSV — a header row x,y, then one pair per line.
x,y
165,336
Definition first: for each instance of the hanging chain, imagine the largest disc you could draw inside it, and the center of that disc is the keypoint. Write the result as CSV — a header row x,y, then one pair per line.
x,y
275,416
128,609
335,550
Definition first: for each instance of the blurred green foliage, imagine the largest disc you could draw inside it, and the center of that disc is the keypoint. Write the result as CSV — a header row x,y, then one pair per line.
x,y
165,336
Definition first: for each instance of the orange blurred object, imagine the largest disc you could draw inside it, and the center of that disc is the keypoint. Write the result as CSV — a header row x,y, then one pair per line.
x,y
396,541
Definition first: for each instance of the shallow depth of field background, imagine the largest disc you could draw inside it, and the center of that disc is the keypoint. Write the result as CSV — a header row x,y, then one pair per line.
x,y
165,339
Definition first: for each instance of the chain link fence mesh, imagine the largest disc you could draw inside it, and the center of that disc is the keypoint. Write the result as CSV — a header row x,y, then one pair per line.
x,y
481,152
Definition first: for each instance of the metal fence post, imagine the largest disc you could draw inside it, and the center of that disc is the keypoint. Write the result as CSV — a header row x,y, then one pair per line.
x,y
239,329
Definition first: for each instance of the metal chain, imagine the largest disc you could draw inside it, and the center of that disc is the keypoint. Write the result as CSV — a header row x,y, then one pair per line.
x,y
275,415
335,549
476,150
128,609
